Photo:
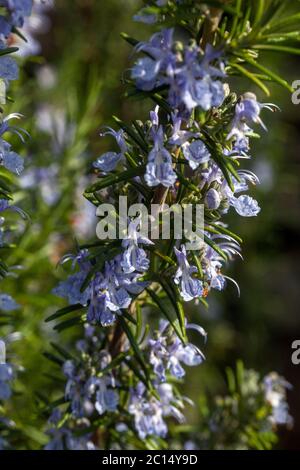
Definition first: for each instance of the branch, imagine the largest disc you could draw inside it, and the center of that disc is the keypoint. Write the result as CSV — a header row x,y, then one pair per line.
x,y
211,24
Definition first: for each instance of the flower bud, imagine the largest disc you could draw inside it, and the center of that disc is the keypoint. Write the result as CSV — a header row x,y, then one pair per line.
x,y
212,199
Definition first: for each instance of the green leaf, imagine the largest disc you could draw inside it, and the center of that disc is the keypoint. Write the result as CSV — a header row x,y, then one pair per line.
x,y
240,375
225,231
129,39
8,50
274,48
89,277
128,317
235,19
230,380
165,312
139,321
284,22
158,99
115,178
64,311
259,9
135,136
224,163
137,372
157,253
57,360
113,364
251,77
133,343
215,247
68,324
270,74
63,352
198,264
187,183
172,293
222,6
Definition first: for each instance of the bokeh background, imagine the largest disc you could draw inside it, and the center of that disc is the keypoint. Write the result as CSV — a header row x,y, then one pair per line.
x,y
71,85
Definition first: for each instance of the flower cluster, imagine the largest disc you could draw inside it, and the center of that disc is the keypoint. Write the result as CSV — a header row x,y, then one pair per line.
x,y
13,13
62,437
92,386
112,290
7,376
34,24
188,152
191,78
14,17
275,388
8,158
16,11
150,412
167,352
256,403
87,389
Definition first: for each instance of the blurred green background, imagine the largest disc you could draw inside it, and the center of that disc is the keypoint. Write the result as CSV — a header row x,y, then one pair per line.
x,y
67,94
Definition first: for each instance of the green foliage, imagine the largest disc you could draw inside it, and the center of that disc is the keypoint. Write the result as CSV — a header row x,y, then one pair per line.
x,y
240,419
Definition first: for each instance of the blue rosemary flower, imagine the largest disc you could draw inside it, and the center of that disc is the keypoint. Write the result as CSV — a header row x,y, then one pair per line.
x,y
191,78
8,68
246,206
9,159
17,10
135,258
190,288
7,303
247,111
196,153
63,438
167,352
149,413
6,374
159,169
88,392
109,160
275,390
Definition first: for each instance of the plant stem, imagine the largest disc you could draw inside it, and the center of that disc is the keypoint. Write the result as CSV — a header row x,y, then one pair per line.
x,y
211,24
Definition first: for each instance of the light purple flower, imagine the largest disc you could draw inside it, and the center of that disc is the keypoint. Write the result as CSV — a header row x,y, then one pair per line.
x,y
135,258
196,153
159,169
145,73
8,68
18,9
179,136
9,159
7,303
106,397
246,206
247,111
275,389
71,289
167,352
6,374
190,288
149,413
109,160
